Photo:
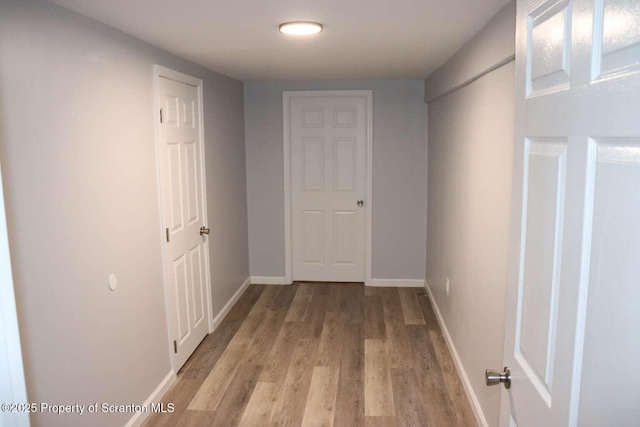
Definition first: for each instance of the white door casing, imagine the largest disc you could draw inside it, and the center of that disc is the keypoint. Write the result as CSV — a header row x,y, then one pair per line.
x,y
327,147
571,335
183,210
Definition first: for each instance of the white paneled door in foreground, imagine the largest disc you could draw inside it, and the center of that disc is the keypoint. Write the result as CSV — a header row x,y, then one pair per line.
x,y
327,135
186,258
572,341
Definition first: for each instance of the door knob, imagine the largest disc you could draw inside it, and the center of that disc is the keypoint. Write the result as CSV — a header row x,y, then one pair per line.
x,y
204,230
494,377
360,203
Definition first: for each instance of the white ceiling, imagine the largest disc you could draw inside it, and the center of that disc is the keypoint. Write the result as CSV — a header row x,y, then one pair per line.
x,y
240,38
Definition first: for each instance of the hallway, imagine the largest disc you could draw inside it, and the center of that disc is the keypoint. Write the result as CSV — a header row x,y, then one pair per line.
x,y
321,354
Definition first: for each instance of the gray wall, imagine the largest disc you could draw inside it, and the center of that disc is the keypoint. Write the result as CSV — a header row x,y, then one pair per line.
x,y
398,241
469,203
78,159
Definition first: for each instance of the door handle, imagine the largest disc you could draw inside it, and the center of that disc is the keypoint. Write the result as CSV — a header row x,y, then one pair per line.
x,y
494,377
204,230
360,203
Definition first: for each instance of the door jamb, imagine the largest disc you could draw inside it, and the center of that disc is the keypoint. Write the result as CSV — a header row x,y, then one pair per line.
x,y
158,72
287,96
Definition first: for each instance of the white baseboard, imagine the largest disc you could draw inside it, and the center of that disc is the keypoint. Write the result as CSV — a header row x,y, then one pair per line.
x,y
397,283
471,395
269,280
229,305
156,396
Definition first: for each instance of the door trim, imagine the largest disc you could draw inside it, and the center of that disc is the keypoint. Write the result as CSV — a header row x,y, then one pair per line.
x,y
287,96
158,72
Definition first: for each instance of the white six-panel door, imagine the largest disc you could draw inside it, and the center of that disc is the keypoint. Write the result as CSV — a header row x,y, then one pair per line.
x,y
328,143
183,214
572,341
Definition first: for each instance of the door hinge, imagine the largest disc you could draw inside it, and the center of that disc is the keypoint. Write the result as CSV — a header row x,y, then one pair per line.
x,y
161,119
167,234
175,346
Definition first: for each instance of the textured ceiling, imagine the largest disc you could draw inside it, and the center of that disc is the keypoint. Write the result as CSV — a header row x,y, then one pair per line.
x,y
240,38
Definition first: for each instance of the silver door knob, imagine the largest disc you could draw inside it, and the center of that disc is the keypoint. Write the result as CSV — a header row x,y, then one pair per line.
x,y
204,230
494,377
360,203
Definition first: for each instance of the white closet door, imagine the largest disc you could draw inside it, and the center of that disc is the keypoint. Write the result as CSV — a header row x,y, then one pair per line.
x,y
328,187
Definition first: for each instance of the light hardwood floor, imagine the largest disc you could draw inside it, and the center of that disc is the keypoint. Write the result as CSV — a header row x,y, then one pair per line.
x,y
320,354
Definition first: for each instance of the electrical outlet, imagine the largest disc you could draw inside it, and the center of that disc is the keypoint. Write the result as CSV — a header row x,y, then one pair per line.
x,y
447,286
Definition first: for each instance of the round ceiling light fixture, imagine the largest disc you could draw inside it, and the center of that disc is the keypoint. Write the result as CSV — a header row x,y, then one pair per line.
x,y
300,28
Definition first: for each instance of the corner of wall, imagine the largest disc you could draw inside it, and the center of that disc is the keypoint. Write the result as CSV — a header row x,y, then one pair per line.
x,y
215,322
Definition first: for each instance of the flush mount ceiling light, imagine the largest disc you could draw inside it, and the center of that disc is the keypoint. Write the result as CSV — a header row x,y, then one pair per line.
x,y
300,28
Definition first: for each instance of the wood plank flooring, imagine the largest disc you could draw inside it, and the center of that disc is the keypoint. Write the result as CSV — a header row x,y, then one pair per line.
x,y
321,354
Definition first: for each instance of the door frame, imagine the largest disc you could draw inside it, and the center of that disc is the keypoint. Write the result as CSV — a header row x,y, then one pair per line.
x,y
158,72
287,97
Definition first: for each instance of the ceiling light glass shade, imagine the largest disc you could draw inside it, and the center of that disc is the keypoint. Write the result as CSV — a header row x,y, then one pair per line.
x,y
300,28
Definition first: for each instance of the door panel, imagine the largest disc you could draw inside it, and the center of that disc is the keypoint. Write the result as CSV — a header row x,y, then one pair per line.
x,y
344,165
617,36
313,237
537,313
192,169
344,228
181,170
313,163
198,297
549,33
181,301
571,341
609,392
328,137
174,163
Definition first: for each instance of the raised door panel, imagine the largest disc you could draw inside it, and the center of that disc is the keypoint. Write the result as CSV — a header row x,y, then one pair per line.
x,y
312,164
181,298
609,392
344,164
544,190
616,36
174,172
170,110
312,117
549,52
197,285
345,117
312,239
191,181
188,113
344,237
